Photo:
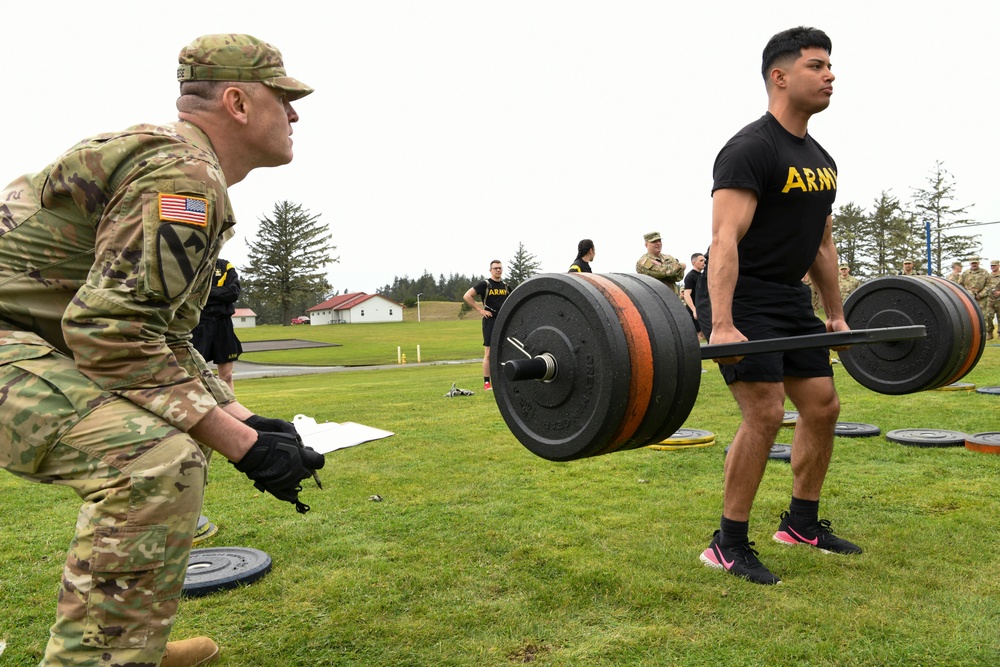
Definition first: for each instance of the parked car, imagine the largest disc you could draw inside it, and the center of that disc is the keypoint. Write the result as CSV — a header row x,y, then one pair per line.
x,y
300,320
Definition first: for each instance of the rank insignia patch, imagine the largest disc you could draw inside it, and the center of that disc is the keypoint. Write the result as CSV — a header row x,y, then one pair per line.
x,y
178,208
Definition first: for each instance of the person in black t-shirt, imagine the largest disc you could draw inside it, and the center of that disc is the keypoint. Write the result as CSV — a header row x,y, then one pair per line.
x,y
691,289
492,293
771,223
214,337
584,255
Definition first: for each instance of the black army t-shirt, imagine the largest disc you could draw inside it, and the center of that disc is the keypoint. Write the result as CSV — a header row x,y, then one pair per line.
x,y
796,184
492,293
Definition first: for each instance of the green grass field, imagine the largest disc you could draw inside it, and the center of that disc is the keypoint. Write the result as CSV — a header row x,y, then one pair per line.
x,y
481,554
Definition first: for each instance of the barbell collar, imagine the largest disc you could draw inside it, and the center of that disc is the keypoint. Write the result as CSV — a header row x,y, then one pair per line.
x,y
834,339
543,367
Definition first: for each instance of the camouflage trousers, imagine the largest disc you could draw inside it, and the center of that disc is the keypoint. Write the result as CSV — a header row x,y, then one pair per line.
x,y
141,482
992,314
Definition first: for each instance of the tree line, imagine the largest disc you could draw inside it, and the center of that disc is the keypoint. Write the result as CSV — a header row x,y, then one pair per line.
x,y
875,242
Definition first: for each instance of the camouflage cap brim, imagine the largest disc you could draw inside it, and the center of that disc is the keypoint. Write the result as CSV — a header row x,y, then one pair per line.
x,y
293,87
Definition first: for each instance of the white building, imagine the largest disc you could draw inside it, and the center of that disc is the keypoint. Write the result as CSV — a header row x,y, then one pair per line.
x,y
244,318
356,308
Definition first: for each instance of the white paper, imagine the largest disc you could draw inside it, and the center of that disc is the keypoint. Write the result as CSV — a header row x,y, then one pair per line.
x,y
331,436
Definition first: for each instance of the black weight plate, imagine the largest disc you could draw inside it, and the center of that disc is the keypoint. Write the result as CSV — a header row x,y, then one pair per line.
x,y
790,417
678,364
856,430
974,326
927,437
986,443
222,568
903,367
988,390
577,413
778,452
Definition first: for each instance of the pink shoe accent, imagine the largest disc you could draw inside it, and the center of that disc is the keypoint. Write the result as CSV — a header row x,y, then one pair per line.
x,y
814,541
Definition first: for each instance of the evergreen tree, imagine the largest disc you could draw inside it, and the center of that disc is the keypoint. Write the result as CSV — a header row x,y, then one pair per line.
x,y
889,235
934,205
286,274
521,267
848,235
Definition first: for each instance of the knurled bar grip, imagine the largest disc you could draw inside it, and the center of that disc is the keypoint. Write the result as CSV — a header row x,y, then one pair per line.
x,y
834,339
535,369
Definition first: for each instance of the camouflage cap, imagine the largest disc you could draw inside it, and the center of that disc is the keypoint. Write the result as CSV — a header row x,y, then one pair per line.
x,y
907,261
974,259
232,57
652,236
995,262
844,266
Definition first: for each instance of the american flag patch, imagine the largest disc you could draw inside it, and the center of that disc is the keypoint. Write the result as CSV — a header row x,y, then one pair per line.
x,y
192,210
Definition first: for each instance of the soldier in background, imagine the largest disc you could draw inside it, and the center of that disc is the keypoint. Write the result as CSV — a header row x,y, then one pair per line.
x,y
492,293
956,272
992,312
848,283
817,305
655,264
974,279
690,292
907,268
105,259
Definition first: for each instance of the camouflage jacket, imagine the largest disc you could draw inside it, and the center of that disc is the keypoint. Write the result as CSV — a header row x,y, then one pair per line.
x,y
107,254
847,285
664,268
975,280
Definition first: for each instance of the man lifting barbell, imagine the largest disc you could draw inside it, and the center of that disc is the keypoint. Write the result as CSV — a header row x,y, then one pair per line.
x,y
771,223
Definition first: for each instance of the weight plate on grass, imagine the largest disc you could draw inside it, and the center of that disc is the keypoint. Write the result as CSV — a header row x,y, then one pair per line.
x,y
673,448
856,430
988,390
927,437
986,443
903,367
205,530
222,568
791,416
778,452
689,436
957,386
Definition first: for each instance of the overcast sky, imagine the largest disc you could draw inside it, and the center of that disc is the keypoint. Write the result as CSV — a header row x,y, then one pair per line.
x,y
443,133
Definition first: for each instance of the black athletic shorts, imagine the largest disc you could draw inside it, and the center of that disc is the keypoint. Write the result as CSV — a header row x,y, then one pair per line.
x,y
762,310
216,341
488,329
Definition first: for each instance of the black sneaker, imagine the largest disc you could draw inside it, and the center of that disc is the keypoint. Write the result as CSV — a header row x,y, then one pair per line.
x,y
817,535
740,560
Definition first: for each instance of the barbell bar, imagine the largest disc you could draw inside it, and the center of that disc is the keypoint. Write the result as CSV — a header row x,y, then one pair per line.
x,y
588,364
544,366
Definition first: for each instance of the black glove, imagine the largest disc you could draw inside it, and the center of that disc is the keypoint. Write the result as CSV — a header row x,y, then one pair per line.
x,y
275,464
310,456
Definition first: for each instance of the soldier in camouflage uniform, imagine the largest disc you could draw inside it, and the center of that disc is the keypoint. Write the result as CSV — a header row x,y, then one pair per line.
x,y
975,279
956,272
992,312
817,304
105,262
848,283
655,264
908,268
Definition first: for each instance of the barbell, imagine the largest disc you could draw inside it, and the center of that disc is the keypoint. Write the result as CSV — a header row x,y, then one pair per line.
x,y
589,364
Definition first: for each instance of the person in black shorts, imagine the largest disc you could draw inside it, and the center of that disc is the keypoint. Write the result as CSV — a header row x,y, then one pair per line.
x,y
492,292
691,289
773,193
214,337
584,256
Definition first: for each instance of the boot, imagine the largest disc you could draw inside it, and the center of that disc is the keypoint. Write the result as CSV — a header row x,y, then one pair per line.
x,y
190,652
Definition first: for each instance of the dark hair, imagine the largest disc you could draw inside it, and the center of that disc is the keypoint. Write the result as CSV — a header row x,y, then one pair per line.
x,y
583,247
495,261
790,43
697,255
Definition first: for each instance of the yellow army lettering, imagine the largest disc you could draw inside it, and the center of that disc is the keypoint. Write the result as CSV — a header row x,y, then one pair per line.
x,y
497,292
826,177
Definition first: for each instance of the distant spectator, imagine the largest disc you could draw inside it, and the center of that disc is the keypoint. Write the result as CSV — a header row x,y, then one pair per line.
x,y
975,281
848,283
584,255
908,268
492,293
956,272
992,312
214,337
655,264
691,289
